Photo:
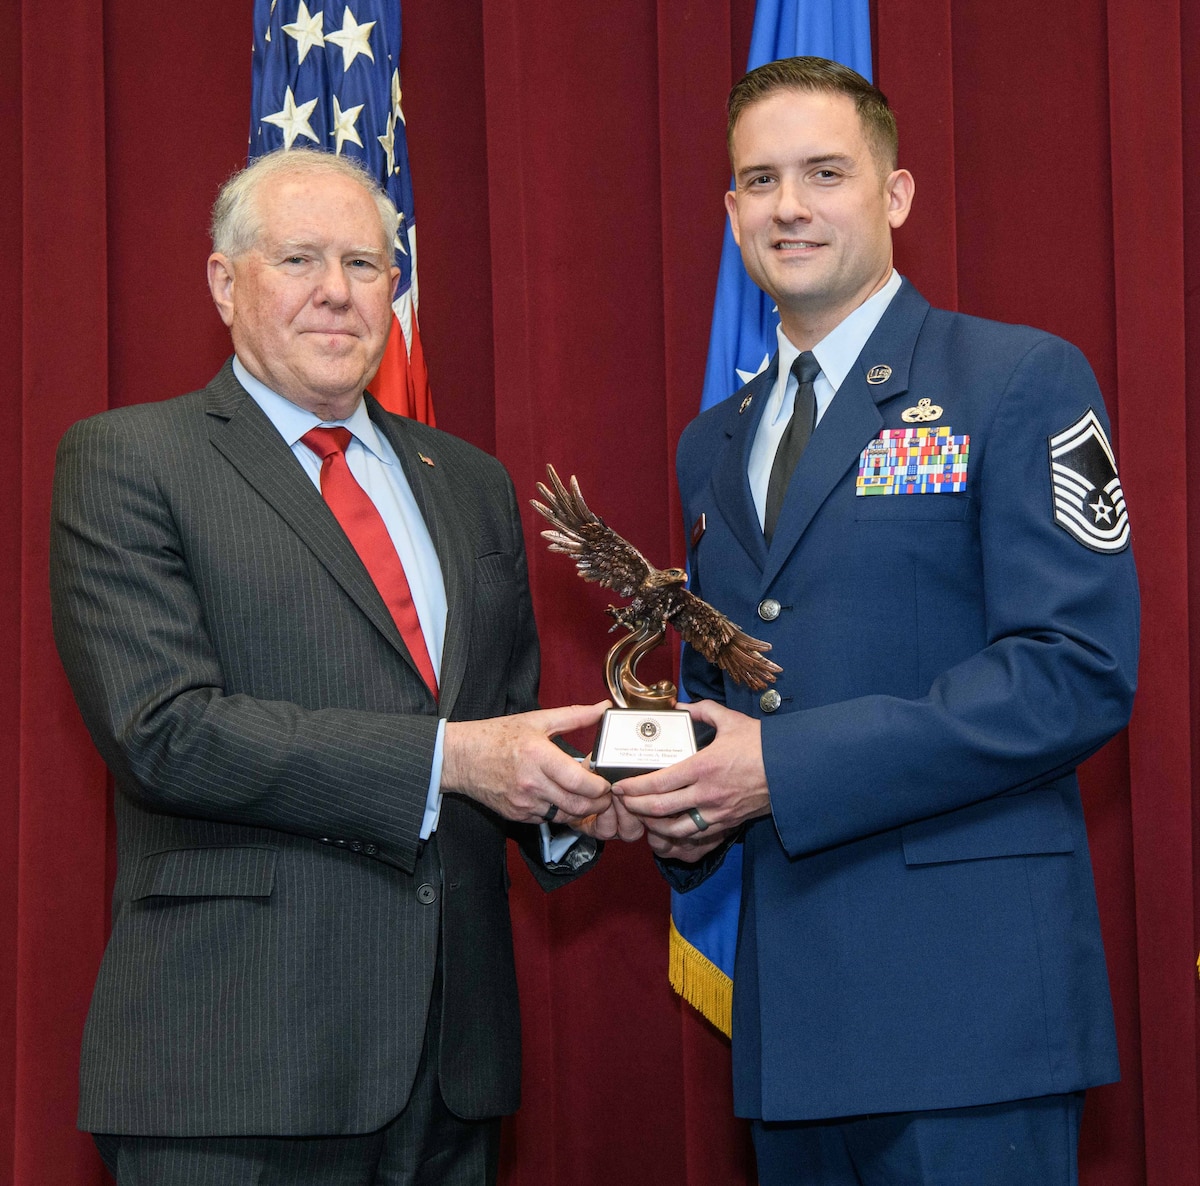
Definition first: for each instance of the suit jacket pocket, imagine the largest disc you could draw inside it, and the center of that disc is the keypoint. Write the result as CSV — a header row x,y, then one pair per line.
x,y
1028,824
245,871
494,568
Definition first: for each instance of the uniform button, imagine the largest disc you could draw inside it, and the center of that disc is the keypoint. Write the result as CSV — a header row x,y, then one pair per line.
x,y
768,609
356,846
426,894
340,843
370,850
326,840
770,700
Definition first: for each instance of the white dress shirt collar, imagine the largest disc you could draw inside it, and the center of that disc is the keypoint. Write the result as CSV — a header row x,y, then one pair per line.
x,y
837,351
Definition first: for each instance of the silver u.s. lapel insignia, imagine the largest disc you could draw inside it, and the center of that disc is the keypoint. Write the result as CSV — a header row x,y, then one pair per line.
x,y
879,374
925,411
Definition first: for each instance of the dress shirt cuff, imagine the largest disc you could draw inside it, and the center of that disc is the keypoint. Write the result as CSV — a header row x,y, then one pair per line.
x,y
433,800
565,849
687,875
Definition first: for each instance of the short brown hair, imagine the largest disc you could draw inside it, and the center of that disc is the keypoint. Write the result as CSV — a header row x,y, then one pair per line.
x,y
820,74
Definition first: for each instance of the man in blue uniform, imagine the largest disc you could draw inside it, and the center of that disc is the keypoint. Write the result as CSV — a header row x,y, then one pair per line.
x,y
921,512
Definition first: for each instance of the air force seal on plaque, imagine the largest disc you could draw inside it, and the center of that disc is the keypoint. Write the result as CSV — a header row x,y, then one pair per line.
x,y
1088,500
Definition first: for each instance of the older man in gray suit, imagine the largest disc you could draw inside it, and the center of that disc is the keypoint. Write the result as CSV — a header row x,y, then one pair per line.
x,y
310,976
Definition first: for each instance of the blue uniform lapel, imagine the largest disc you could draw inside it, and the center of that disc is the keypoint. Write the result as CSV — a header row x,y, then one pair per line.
x,y
851,421
731,487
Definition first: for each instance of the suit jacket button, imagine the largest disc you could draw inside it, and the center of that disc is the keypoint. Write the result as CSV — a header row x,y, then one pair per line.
x,y
426,894
770,700
356,846
370,850
768,609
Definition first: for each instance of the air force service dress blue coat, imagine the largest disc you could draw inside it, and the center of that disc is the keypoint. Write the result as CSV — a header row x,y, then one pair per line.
x,y
919,925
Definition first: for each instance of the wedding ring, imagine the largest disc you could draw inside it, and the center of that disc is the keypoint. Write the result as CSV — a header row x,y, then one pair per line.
x,y
699,820
551,812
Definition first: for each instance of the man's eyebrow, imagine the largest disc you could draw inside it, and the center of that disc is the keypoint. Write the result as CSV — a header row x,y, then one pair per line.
x,y
289,246
829,158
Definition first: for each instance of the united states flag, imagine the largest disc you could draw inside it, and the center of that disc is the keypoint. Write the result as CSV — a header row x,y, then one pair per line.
x,y
328,77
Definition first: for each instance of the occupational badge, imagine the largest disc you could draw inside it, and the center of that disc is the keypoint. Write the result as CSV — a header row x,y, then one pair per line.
x,y
925,411
1089,503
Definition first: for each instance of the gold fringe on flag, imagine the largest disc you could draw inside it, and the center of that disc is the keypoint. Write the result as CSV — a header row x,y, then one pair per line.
x,y
701,983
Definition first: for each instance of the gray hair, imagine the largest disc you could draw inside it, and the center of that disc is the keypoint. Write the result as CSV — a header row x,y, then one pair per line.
x,y
236,219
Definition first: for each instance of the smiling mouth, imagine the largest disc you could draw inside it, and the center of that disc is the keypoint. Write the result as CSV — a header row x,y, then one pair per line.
x,y
794,244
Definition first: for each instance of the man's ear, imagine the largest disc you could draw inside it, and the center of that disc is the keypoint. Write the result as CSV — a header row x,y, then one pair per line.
x,y
899,188
220,284
731,210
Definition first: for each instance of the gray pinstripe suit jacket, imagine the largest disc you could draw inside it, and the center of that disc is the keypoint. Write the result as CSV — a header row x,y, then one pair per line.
x,y
273,942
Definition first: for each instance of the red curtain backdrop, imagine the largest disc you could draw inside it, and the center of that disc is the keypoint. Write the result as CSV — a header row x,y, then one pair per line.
x,y
569,164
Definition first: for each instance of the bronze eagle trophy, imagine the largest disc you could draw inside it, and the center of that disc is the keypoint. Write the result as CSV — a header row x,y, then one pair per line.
x,y
658,597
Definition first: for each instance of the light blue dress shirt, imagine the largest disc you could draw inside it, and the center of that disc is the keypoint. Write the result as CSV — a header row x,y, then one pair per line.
x,y
377,469
837,352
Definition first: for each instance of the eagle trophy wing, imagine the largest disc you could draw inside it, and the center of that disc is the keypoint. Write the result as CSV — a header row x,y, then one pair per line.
x,y
602,556
723,642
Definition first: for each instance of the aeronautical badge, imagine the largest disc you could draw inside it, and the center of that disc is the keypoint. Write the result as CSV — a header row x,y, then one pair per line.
x,y
1088,500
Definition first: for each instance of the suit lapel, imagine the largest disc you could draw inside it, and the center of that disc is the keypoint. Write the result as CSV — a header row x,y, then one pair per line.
x,y
850,422
731,486
436,498
241,432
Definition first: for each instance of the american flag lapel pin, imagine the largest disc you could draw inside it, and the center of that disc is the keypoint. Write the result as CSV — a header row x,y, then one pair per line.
x,y
427,460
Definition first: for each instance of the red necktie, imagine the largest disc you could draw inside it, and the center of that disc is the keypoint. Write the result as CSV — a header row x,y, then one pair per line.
x,y
364,527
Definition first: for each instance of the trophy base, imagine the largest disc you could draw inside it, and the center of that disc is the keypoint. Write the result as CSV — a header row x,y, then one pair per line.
x,y
634,741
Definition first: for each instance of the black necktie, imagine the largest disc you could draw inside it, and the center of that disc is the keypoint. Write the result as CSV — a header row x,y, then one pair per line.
x,y
794,440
